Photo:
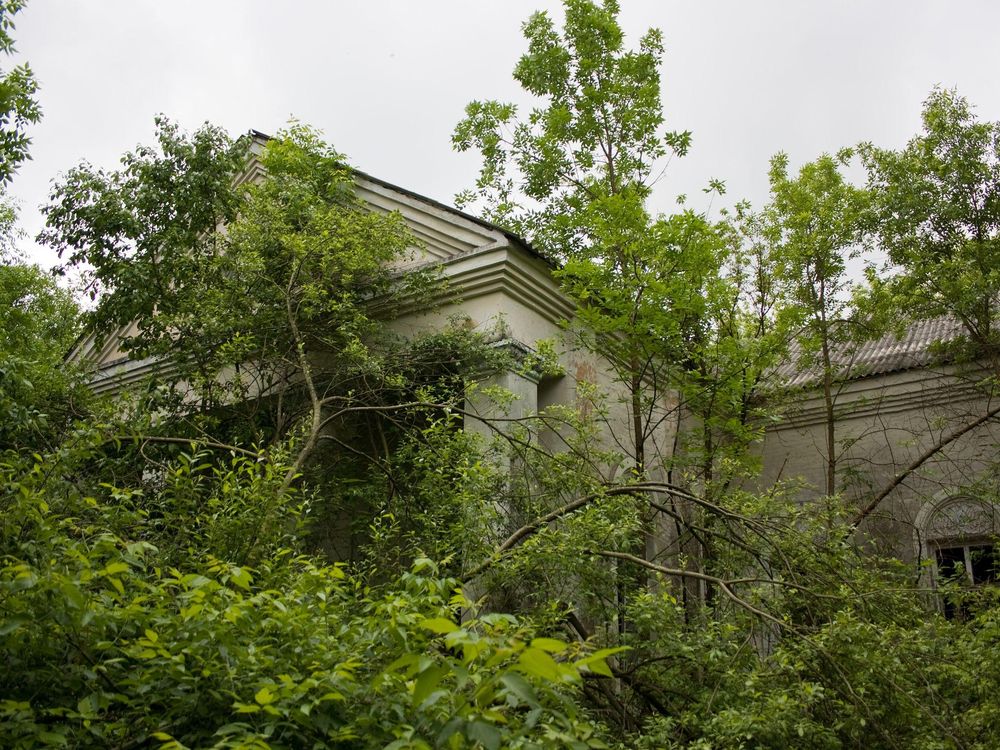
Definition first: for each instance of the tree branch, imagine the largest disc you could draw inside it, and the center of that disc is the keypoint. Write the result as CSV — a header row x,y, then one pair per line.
x,y
723,584
919,461
186,441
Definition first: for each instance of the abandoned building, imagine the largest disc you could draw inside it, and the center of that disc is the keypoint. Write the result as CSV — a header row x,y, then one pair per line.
x,y
916,441
895,402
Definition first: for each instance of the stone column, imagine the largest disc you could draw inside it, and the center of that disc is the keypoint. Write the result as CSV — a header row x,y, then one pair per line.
x,y
498,400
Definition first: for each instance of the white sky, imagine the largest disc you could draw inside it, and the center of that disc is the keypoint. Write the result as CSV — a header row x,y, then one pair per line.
x,y
387,80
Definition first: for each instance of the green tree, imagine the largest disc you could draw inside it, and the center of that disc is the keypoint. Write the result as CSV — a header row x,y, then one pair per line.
x,y
259,284
814,222
140,231
39,320
664,299
261,312
937,216
574,176
18,106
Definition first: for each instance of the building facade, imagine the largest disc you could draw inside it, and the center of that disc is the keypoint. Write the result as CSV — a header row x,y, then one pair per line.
x,y
916,452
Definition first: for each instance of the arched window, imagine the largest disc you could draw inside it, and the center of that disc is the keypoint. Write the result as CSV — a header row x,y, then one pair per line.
x,y
961,535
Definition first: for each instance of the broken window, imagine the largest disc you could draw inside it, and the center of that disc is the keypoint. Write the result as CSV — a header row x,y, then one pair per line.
x,y
961,569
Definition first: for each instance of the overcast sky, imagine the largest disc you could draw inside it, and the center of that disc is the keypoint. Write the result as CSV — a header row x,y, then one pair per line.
x,y
387,81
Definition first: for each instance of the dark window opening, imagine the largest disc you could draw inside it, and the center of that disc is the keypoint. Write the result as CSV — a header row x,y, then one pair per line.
x,y
960,570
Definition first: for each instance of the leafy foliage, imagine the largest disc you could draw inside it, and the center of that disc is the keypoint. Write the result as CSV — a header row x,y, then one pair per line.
x,y
814,223
748,638
110,643
165,564
595,140
574,177
938,217
39,321
18,106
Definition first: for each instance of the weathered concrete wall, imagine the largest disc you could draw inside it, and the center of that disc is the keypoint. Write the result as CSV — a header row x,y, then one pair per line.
x,y
884,424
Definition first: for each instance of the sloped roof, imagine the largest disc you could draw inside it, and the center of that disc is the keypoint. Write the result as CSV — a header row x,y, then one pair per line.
x,y
881,356
509,235
444,233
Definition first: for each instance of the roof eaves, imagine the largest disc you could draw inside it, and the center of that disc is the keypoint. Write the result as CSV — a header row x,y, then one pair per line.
x,y
508,235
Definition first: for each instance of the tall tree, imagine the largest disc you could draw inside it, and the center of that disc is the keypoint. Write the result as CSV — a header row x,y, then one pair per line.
x,y
211,274
262,303
574,177
937,216
144,234
662,299
815,222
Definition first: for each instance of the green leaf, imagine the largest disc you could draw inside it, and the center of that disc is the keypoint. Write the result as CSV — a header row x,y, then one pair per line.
x,y
449,731
53,738
406,660
550,645
426,682
14,623
88,707
599,666
264,696
439,625
597,661
485,734
520,687
115,568
73,595
241,577
537,663
226,729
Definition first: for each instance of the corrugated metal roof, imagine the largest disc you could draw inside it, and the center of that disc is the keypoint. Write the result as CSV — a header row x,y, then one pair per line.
x,y
890,353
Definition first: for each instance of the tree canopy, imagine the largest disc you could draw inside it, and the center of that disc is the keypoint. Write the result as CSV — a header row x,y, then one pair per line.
x,y
283,537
